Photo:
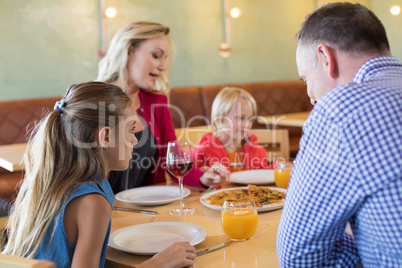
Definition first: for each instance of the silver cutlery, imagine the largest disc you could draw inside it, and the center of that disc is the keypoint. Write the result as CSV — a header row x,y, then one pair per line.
x,y
213,248
153,219
136,210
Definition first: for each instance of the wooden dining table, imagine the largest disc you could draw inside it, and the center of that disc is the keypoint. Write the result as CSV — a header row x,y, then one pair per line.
x,y
287,120
259,251
12,156
3,221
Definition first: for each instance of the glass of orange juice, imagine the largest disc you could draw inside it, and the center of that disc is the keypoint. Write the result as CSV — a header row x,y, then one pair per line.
x,y
239,219
282,174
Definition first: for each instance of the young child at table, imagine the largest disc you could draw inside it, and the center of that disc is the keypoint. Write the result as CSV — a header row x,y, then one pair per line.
x,y
63,210
230,144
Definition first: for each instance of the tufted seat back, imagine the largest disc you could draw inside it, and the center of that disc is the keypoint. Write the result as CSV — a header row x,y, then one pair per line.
x,y
186,107
16,119
271,97
279,97
190,107
275,97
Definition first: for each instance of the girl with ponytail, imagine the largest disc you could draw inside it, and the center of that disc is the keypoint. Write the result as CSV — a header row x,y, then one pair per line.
x,y
63,210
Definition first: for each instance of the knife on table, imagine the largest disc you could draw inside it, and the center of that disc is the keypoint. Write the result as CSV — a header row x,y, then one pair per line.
x,y
136,210
205,251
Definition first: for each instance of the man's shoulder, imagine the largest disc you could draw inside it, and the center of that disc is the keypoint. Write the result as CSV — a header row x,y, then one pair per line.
x,y
364,99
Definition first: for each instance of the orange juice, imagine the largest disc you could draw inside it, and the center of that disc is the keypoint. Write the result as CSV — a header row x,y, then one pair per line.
x,y
282,176
239,223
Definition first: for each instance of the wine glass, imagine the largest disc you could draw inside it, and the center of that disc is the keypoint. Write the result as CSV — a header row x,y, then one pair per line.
x,y
239,218
179,162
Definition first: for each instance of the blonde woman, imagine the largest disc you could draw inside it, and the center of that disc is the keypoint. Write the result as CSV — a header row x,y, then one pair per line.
x,y
63,210
139,60
230,144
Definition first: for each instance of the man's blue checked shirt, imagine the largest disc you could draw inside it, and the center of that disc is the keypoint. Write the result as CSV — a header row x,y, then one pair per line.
x,y
349,169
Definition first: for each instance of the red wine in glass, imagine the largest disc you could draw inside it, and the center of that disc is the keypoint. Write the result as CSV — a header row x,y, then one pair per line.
x,y
179,168
179,162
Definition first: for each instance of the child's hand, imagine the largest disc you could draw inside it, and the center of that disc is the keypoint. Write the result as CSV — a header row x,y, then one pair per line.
x,y
215,175
204,168
179,254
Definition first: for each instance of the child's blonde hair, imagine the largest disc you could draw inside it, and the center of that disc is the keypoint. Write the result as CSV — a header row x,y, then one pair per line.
x,y
63,154
224,102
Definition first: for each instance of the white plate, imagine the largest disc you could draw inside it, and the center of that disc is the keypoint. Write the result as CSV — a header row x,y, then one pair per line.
x,y
259,209
152,195
151,238
256,177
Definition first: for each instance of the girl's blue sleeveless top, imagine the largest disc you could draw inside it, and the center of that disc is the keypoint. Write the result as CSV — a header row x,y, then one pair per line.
x,y
59,249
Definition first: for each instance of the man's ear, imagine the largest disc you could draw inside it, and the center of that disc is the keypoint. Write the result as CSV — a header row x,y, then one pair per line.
x,y
327,57
104,137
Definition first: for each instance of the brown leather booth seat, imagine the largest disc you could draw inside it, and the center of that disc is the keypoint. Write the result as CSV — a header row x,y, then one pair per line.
x,y
186,107
16,118
194,104
190,106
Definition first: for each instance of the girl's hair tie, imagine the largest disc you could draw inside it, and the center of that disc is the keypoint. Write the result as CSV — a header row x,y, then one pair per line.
x,y
58,105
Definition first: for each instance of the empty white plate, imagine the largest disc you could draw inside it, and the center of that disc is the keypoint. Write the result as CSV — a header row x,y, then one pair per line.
x,y
151,238
152,195
256,177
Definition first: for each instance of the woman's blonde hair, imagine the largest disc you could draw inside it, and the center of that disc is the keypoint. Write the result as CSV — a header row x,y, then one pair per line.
x,y
62,155
113,67
224,102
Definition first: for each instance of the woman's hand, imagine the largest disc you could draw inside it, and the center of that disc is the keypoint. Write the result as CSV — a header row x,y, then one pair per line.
x,y
215,175
179,254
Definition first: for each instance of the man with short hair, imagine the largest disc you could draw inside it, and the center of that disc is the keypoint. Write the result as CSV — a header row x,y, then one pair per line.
x,y
349,166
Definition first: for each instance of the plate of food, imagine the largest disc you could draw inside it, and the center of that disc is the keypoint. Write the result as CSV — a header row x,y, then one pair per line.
x,y
265,198
256,177
151,238
152,195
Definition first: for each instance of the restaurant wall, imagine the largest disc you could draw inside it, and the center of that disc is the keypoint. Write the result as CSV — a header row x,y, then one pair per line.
x,y
391,23
47,45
